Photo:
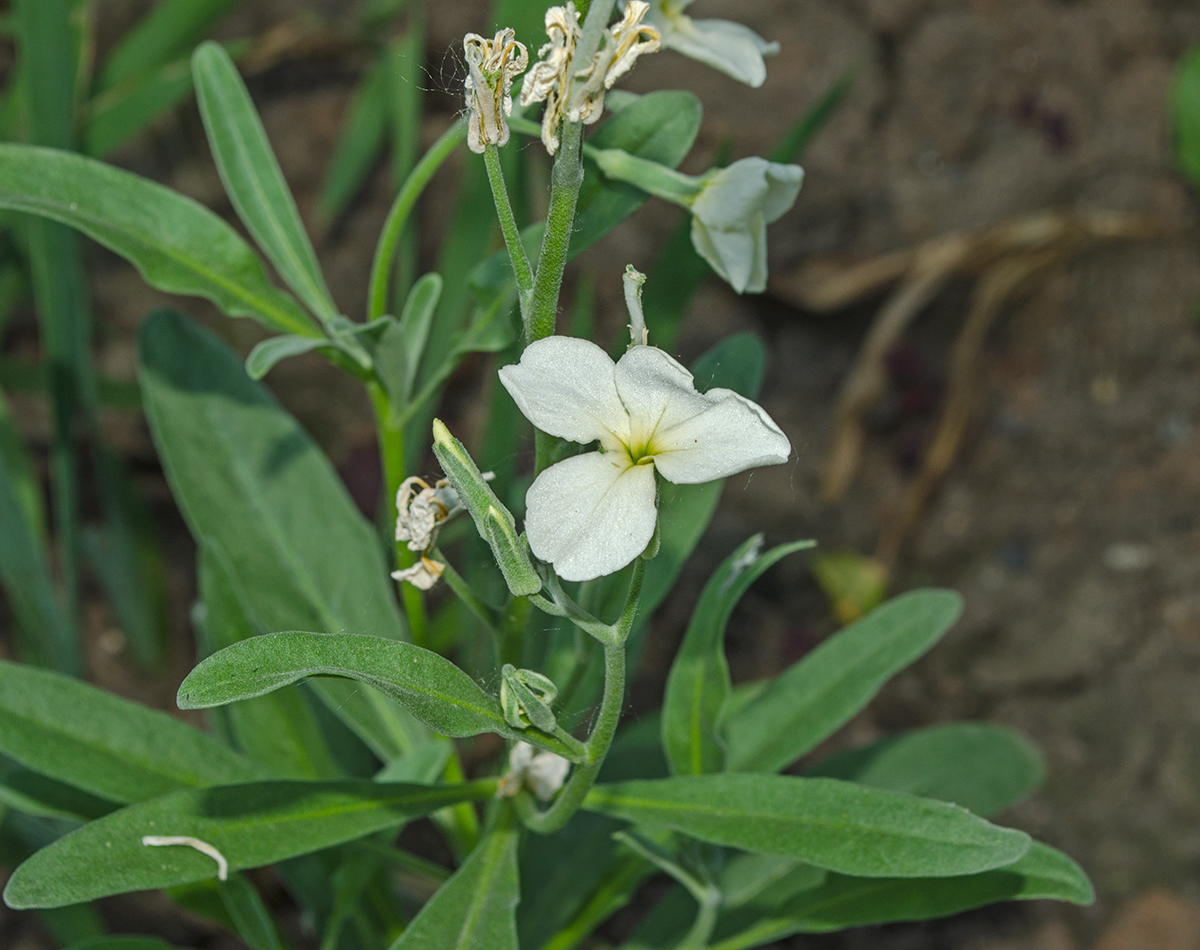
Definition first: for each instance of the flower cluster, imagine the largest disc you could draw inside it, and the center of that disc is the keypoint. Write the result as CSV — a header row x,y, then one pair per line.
x,y
421,510
578,95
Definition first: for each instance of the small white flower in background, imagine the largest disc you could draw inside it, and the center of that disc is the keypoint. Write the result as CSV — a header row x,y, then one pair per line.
x,y
578,95
422,575
421,509
623,44
492,65
549,80
543,773
592,514
731,213
729,47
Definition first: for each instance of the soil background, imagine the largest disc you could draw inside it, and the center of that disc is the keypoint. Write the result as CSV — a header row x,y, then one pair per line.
x,y
1071,520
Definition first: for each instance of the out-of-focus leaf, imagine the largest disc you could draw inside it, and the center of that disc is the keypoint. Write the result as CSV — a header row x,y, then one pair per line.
x,y
815,696
359,146
422,764
43,797
1185,96
835,825
249,914
280,730
853,583
978,765
119,114
179,246
122,943
267,353
698,684
841,902
169,30
103,744
250,825
260,495
253,179
476,908
793,144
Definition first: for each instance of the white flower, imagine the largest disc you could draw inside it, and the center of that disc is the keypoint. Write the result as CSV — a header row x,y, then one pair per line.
x,y
550,78
421,509
422,575
492,65
543,773
592,514
732,48
731,213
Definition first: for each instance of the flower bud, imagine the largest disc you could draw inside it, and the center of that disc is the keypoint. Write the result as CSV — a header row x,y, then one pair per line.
x,y
525,698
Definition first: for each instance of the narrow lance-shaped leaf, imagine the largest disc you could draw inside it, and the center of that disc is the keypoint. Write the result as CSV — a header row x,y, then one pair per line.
x,y
172,27
360,142
263,498
835,825
249,914
698,684
814,697
981,766
428,685
476,908
252,177
841,902
103,744
177,245
249,825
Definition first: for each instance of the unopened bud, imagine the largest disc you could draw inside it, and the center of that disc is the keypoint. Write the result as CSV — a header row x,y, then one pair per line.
x,y
525,698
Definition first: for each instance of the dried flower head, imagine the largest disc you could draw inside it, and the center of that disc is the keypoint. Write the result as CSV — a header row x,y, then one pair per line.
x,y
492,65
624,42
549,80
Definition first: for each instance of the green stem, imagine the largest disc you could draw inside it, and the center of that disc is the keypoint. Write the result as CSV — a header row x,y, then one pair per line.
x,y
391,451
508,227
565,180
393,227
583,776
457,583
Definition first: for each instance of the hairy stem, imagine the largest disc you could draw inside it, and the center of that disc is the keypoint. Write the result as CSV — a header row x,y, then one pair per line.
x,y
508,227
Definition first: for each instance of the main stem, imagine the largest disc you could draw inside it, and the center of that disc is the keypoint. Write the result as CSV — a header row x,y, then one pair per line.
x,y
565,181
508,227
596,750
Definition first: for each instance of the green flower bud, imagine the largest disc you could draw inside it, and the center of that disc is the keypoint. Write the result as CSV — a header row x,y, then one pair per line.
x,y
525,698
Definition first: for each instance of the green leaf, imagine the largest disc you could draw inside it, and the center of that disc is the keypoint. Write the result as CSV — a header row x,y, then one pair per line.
x,y
415,321
1185,96
43,797
267,353
360,142
249,914
280,731
476,908
258,493
980,766
814,697
25,573
251,825
103,744
122,943
119,114
429,686
177,245
170,29
835,825
252,177
841,902
698,684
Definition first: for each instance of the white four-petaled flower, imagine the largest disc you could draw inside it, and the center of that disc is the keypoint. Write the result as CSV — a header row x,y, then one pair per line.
x,y
731,213
593,513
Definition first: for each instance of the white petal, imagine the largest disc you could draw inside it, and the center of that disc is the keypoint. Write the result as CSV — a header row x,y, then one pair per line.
x,y
565,387
546,774
733,435
657,392
591,515
733,194
783,187
731,48
739,256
